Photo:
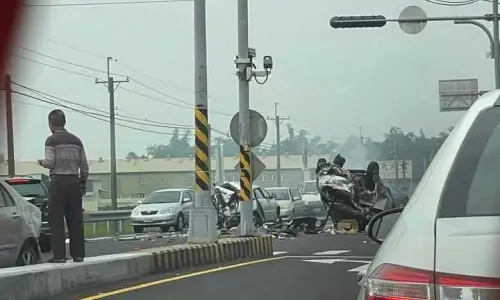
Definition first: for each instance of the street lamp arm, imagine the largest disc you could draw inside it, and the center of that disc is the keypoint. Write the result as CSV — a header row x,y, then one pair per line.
x,y
484,28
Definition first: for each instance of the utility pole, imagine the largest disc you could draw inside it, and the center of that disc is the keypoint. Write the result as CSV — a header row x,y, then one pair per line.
x,y
202,219
396,154
305,152
110,84
277,119
361,137
10,126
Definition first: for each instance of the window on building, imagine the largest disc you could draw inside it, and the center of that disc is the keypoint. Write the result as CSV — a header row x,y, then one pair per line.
x,y
162,180
142,180
139,195
268,177
231,178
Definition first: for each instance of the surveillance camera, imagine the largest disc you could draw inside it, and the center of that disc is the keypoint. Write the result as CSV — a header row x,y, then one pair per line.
x,y
268,62
252,53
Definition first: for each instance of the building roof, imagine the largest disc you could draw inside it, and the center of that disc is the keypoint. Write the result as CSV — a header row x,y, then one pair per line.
x,y
185,164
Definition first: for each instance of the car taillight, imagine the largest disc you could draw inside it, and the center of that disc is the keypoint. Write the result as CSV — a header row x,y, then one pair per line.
x,y
392,282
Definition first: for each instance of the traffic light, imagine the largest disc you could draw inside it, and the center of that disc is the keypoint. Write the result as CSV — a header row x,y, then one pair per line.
x,y
358,21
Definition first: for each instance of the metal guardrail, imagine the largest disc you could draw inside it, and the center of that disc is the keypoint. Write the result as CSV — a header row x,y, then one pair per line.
x,y
106,216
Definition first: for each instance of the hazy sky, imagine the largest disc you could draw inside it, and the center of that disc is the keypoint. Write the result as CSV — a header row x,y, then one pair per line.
x,y
328,81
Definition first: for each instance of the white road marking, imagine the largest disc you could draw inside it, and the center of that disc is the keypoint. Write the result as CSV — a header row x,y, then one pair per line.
x,y
279,252
334,260
322,261
361,268
332,252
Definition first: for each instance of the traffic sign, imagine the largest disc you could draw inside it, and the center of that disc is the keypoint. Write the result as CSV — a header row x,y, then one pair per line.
x,y
257,166
412,12
258,128
457,95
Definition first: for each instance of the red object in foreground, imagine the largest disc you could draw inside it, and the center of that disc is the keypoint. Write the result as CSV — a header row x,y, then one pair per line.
x,y
393,282
9,14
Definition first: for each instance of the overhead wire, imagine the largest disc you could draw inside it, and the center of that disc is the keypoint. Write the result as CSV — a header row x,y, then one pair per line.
x,y
105,3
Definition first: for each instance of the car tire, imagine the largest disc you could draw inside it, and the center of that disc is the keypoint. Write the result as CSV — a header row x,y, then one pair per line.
x,y
28,254
138,229
278,214
257,220
179,223
291,221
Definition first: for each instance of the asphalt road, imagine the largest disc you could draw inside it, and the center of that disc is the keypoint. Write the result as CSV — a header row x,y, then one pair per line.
x,y
307,267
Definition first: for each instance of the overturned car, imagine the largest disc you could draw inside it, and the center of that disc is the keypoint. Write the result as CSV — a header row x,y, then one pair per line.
x,y
352,194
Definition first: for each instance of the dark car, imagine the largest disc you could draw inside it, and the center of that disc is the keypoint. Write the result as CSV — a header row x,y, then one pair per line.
x,y
401,198
35,192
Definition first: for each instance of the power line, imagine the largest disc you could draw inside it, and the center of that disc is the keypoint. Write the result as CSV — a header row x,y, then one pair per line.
x,y
454,3
125,89
106,3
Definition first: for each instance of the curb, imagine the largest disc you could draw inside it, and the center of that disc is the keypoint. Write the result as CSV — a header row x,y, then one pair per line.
x,y
46,280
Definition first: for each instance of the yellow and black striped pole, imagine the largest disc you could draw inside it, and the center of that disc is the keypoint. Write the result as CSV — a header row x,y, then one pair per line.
x,y
245,173
202,151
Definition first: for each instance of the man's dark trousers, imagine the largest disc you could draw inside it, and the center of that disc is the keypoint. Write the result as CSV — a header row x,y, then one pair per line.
x,y
65,200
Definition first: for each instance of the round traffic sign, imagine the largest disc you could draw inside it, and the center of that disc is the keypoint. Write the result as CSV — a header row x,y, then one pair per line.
x,y
258,128
412,12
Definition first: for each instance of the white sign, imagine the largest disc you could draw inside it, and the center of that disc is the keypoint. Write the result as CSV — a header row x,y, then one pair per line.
x,y
388,169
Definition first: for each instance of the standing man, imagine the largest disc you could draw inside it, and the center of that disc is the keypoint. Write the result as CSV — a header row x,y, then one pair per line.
x,y
69,170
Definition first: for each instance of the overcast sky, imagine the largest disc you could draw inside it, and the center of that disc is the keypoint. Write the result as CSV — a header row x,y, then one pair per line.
x,y
328,81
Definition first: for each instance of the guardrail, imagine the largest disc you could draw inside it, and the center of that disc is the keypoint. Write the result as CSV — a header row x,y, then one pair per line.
x,y
96,217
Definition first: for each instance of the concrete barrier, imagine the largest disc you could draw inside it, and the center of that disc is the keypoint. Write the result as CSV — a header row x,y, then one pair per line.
x,y
46,280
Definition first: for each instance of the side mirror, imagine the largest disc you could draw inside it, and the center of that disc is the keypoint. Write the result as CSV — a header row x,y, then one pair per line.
x,y
296,198
32,201
381,224
139,202
273,195
186,200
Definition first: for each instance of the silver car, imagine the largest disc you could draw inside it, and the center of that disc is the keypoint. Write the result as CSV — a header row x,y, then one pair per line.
x,y
20,227
444,245
164,209
312,200
292,207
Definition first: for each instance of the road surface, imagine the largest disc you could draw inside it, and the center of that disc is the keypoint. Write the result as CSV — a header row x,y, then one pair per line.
x,y
307,267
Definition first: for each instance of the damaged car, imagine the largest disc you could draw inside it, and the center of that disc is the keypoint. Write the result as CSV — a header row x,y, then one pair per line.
x,y
352,194
226,200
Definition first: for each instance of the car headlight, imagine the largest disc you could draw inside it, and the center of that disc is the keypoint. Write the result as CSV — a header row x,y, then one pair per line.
x,y
169,210
135,212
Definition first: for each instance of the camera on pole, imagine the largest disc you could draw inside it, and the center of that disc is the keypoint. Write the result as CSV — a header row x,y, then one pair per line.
x,y
358,21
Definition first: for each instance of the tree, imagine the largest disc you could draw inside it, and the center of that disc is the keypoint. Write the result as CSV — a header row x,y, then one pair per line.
x,y
132,155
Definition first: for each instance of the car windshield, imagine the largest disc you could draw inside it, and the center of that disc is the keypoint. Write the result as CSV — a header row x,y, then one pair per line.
x,y
310,188
281,194
163,197
34,189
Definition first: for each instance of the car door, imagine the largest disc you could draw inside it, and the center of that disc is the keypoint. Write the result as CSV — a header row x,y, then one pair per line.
x,y
299,204
10,229
186,203
263,203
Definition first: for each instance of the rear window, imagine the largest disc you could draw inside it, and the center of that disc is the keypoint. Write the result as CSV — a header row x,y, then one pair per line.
x,y
29,189
473,187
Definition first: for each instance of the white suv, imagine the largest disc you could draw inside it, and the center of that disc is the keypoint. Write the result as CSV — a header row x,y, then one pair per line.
x,y
445,245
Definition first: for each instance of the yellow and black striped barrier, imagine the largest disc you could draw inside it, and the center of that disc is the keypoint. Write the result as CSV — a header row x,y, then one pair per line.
x,y
188,256
202,150
245,175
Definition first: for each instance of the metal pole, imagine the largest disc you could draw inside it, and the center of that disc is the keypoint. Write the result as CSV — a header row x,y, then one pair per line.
x,y
246,212
496,54
10,127
202,219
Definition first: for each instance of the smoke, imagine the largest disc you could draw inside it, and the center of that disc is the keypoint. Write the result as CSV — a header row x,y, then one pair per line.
x,y
354,152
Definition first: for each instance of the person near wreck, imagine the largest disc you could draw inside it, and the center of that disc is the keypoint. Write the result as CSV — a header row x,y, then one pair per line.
x,y
66,159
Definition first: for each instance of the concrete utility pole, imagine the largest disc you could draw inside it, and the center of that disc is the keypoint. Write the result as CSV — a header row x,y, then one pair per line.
x,y
110,84
244,68
277,119
203,218
305,153
7,87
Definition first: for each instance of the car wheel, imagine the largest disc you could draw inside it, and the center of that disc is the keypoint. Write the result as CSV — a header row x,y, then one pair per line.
x,y
179,224
138,229
278,214
291,221
257,220
28,255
